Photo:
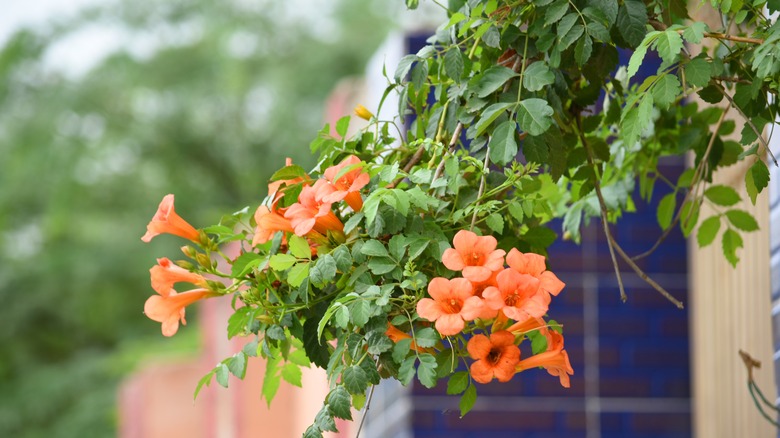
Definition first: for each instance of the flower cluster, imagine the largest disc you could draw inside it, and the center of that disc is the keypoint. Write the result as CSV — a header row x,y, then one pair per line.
x,y
490,292
357,269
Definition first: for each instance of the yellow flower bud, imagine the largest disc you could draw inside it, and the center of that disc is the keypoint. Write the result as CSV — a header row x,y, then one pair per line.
x,y
363,113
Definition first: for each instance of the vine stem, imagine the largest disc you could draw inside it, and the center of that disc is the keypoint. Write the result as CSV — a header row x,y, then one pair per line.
x,y
748,121
613,243
481,183
450,150
365,411
604,222
657,25
696,178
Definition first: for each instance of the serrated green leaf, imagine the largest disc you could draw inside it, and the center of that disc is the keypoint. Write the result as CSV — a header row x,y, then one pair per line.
x,y
289,172
637,119
205,380
496,223
537,76
583,50
492,79
636,60
722,195
406,371
374,248
457,382
453,63
503,146
324,420
360,312
571,36
299,247
355,379
401,350
292,374
467,400
742,220
489,115
297,274
731,242
695,32
342,125
312,432
244,263
631,21
340,403
324,270
759,179
665,90
404,66
427,337
378,343
282,262
665,211
222,372
668,44
381,265
689,217
555,12
426,370
534,116
698,72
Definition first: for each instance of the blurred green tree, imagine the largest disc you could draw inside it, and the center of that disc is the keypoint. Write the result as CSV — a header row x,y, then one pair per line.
x,y
205,101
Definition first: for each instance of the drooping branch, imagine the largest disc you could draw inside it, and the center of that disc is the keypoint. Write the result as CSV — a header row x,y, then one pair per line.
x,y
748,121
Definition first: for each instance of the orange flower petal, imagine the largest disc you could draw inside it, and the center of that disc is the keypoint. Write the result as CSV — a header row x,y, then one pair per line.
x,y
450,324
550,283
479,346
481,371
528,263
452,260
429,309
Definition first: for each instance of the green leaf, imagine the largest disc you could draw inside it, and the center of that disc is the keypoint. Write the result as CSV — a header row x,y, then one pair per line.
x,y
426,371
324,270
355,379
312,432
341,316
535,149
453,63
707,231
299,247
401,350
722,195
631,21
731,242
281,262
427,337
503,146
496,223
406,370
397,246
222,373
237,365
458,382
467,400
757,179
317,353
742,220
689,217
665,90
695,32
340,403
637,119
492,79
489,115
297,274
244,263
534,116
583,50
205,380
665,211
570,37
378,343
360,312
342,125
374,248
609,8
636,60
403,67
324,420
343,258
292,374
669,44
289,172
698,72
537,76
381,265
555,11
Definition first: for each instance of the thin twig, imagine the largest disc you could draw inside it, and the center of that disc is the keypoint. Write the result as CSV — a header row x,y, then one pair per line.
x,y
641,273
450,150
738,39
365,411
694,181
481,184
412,161
748,121
751,363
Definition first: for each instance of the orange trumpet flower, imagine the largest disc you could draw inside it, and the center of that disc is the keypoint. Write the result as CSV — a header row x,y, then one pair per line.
x,y
169,309
166,220
496,356
476,256
165,274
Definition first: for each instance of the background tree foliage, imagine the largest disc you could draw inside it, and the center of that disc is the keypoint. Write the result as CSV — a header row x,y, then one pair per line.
x,y
230,90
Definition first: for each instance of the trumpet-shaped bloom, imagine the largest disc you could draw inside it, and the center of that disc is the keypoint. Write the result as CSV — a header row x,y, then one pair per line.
x,y
479,287
396,335
269,222
169,309
452,302
346,186
496,356
165,220
517,295
476,256
309,213
533,264
555,360
363,112
165,274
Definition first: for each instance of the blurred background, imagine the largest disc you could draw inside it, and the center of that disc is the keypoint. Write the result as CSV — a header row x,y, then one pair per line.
x,y
105,107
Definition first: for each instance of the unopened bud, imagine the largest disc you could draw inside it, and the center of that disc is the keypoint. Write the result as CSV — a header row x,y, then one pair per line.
x,y
363,112
185,264
203,260
189,251
265,319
